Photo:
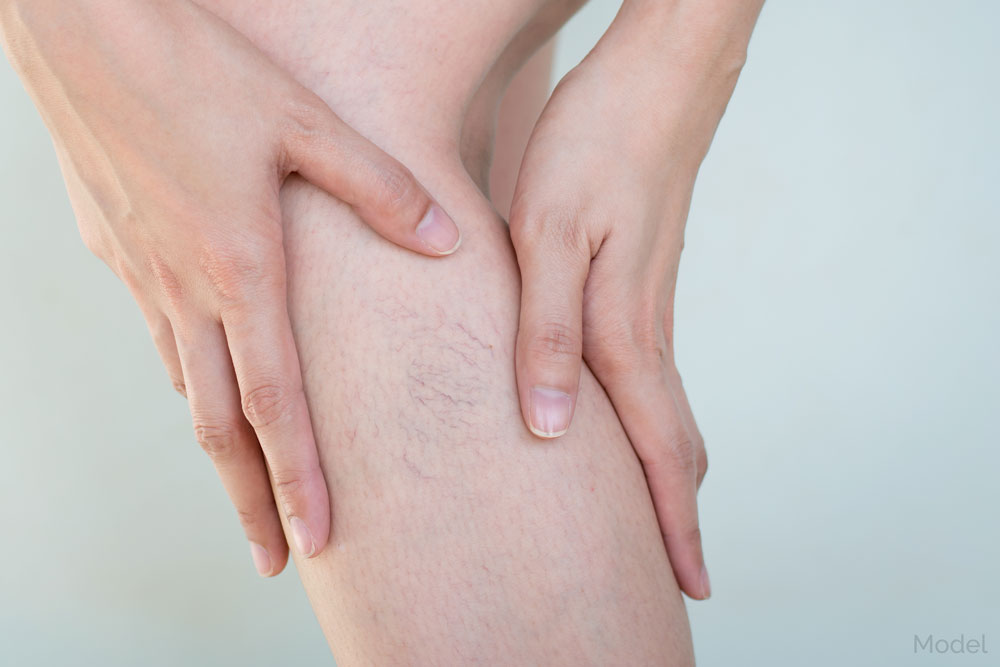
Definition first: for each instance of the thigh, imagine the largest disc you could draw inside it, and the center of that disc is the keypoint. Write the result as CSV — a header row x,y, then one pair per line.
x,y
457,536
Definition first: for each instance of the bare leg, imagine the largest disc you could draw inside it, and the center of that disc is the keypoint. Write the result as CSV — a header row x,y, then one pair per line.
x,y
458,537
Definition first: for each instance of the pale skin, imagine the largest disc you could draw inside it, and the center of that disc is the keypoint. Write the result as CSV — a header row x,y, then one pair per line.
x,y
599,236
443,501
174,157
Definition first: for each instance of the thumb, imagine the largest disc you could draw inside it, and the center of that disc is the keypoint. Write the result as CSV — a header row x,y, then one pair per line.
x,y
331,155
550,331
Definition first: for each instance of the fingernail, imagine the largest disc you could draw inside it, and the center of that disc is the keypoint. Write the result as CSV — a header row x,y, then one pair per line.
x,y
261,559
549,412
706,585
303,538
438,231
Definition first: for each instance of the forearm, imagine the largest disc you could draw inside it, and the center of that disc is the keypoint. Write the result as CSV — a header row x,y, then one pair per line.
x,y
708,33
90,55
676,65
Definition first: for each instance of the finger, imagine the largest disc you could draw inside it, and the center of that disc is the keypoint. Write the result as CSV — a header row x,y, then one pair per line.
x,y
382,191
687,417
260,340
163,337
227,438
550,329
653,423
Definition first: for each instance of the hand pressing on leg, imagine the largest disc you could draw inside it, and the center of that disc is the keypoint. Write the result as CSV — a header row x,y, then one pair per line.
x,y
175,134
598,225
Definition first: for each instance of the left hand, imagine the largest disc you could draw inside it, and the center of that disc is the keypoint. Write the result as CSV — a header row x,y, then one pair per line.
x,y
598,225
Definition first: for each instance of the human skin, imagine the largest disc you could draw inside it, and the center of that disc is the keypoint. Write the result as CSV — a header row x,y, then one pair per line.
x,y
458,537
522,103
174,134
597,221
589,241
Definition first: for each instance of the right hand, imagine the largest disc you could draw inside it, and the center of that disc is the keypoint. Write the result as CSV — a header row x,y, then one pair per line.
x,y
174,134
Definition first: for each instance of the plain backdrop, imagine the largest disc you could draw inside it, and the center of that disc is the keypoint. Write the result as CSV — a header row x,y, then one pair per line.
x,y
837,328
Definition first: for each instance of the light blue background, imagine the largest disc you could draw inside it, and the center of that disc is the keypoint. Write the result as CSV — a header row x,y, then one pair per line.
x,y
837,327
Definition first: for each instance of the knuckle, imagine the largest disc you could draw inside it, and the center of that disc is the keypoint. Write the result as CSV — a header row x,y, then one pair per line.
x,y
615,358
165,279
631,349
524,227
553,228
250,519
288,485
691,534
393,188
237,276
267,404
699,444
554,341
700,453
303,115
218,438
306,127
681,450
677,453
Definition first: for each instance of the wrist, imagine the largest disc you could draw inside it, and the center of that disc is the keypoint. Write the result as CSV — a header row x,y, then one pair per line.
x,y
695,43
673,65
702,34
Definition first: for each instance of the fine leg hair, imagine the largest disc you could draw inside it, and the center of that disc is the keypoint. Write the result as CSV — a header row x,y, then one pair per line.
x,y
458,537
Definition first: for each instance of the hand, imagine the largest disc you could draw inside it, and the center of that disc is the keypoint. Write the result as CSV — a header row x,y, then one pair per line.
x,y
598,224
174,135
